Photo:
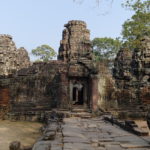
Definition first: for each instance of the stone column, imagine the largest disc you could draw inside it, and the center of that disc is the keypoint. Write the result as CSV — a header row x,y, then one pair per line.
x,y
71,93
77,94
64,91
94,92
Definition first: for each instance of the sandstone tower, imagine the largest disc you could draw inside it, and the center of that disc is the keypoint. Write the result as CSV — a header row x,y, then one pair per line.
x,y
75,42
75,49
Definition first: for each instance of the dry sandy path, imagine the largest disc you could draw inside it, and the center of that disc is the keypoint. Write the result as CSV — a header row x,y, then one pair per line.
x,y
25,132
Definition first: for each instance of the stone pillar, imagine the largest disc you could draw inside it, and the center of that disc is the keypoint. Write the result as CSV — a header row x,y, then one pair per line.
x,y
64,91
94,92
71,92
77,94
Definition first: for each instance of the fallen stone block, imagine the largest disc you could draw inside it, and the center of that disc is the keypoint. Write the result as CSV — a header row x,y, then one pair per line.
x,y
49,135
16,145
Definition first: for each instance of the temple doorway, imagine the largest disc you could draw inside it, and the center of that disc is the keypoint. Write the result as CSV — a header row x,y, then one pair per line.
x,y
78,98
79,92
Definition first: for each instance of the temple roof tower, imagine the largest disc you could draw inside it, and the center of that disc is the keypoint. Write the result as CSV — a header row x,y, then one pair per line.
x,y
75,41
75,48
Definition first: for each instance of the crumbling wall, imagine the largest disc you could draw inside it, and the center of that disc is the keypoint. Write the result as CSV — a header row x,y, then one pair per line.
x,y
132,75
37,87
23,60
11,60
106,88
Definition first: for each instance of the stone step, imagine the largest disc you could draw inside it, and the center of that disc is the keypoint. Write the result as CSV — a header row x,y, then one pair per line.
x,y
81,114
79,110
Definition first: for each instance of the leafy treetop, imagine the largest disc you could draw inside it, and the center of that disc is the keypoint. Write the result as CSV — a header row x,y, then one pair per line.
x,y
105,48
44,52
139,24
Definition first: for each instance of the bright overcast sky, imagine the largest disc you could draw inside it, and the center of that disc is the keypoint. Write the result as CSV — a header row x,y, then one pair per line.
x,y
36,22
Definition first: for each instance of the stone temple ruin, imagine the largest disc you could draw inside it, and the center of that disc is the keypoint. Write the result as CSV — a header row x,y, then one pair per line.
x,y
73,83
132,75
62,83
73,80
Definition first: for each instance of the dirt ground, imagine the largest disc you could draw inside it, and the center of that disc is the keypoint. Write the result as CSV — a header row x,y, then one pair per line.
x,y
25,132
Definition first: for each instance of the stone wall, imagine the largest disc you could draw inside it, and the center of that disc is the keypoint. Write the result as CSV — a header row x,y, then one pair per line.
x,y
34,90
11,59
38,87
105,94
132,74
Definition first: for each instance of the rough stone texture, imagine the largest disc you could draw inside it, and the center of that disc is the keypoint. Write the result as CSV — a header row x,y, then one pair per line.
x,y
22,58
37,87
80,133
75,49
132,74
62,83
106,94
15,146
75,42
11,59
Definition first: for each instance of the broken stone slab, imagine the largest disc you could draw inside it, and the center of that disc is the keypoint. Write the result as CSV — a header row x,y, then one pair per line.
x,y
26,148
42,145
106,140
16,145
51,129
128,125
75,140
128,145
49,135
101,148
113,147
56,144
78,146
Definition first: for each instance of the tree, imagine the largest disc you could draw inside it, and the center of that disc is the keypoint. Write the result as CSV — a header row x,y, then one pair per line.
x,y
105,48
44,52
139,24
137,5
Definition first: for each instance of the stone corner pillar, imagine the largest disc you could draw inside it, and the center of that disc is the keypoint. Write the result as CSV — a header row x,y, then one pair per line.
x,y
64,91
94,92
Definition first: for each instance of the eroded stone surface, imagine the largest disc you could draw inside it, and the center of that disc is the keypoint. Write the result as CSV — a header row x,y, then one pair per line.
x,y
11,58
95,134
132,74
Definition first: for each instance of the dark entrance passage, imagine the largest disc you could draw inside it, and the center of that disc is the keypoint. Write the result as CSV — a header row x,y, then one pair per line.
x,y
74,94
79,93
78,96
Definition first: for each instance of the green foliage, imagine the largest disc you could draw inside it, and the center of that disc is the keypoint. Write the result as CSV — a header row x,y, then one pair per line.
x,y
44,52
105,48
139,24
137,5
